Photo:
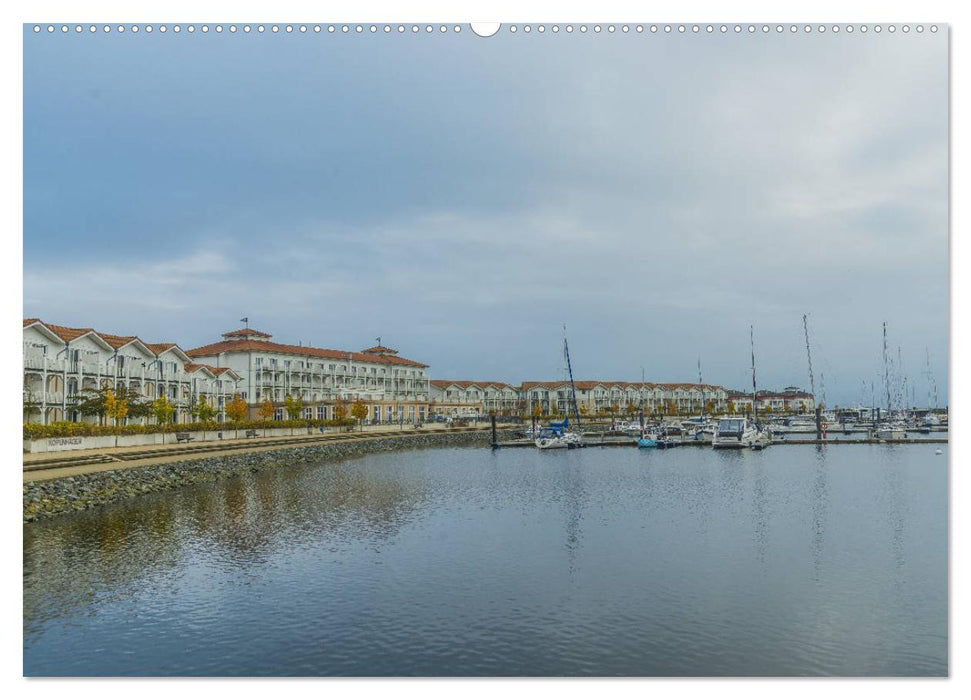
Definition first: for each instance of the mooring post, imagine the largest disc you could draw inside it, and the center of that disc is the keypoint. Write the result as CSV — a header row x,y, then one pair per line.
x,y
819,422
495,443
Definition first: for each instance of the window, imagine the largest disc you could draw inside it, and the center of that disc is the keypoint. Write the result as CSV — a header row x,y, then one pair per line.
x,y
278,414
259,362
321,413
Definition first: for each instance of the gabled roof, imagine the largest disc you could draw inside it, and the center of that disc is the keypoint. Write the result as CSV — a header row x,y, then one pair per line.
x,y
68,334
42,328
191,367
465,384
227,346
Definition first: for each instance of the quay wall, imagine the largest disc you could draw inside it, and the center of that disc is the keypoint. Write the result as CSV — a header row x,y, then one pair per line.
x,y
50,498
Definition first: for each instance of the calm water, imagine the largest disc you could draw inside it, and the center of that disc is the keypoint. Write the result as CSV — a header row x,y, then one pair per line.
x,y
796,560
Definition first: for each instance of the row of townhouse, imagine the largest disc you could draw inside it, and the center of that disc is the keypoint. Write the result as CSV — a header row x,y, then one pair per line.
x,y
789,400
62,363
468,398
457,398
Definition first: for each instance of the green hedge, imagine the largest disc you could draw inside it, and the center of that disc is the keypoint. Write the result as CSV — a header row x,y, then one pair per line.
x,y
34,431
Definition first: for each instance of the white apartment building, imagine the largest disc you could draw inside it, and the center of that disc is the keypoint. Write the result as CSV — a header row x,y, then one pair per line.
x,y
394,389
61,363
454,398
598,398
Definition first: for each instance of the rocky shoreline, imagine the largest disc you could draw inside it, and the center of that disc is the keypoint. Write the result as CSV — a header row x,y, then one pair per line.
x,y
46,499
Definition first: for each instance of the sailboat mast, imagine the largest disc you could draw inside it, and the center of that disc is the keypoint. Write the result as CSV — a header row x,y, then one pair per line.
x,y
701,385
886,368
573,389
755,392
809,354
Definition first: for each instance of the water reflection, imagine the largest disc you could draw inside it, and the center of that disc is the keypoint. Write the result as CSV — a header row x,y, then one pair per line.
x,y
514,562
237,523
820,503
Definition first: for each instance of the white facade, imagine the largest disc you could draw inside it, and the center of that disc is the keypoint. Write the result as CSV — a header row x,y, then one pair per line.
x,y
62,363
392,388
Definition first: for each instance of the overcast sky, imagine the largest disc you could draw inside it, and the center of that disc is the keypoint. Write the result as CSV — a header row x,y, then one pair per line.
x,y
464,197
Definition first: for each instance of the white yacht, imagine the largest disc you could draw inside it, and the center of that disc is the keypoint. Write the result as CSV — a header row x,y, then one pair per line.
x,y
556,436
734,433
891,431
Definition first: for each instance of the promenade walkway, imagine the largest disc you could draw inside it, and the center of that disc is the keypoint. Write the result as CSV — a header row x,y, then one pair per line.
x,y
57,465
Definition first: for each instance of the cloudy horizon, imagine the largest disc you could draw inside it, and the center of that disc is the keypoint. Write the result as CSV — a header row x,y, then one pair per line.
x,y
463,198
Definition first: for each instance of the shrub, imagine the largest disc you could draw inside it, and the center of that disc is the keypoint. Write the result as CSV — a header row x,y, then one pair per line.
x,y
33,431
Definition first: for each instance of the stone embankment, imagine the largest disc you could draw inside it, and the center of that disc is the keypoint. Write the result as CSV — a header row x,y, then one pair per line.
x,y
44,499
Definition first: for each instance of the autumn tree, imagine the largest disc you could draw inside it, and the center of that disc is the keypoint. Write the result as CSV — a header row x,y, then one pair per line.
x,y
203,411
359,410
293,406
116,409
266,412
162,410
236,411
93,402
340,410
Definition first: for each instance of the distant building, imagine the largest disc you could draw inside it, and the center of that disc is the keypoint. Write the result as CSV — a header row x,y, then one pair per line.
x,y
789,400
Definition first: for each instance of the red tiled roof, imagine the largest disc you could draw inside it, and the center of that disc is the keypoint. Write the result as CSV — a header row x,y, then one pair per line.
x,y
266,346
247,331
67,334
159,348
380,349
117,341
28,321
194,366
445,383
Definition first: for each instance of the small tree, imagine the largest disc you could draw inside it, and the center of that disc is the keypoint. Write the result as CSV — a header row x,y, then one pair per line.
x,y
116,409
203,412
162,410
359,410
340,409
293,408
266,412
236,411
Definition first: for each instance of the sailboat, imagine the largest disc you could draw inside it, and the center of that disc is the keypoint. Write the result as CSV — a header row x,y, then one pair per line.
x,y
559,435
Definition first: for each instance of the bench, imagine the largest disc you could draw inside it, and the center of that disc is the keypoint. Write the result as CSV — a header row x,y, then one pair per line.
x,y
183,437
250,433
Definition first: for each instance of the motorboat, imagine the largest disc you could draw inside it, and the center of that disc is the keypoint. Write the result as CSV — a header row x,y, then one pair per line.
x,y
734,433
649,441
891,431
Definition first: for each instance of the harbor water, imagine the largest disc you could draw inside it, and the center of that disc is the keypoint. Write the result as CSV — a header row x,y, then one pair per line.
x,y
798,560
